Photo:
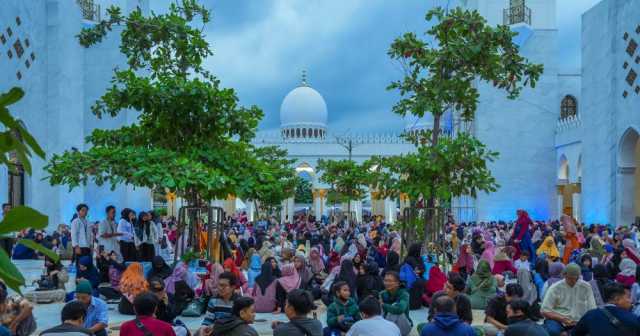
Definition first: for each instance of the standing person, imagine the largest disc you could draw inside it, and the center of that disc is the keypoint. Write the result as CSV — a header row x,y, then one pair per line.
x,y
145,323
72,316
571,237
108,232
242,315
127,234
446,322
521,236
97,318
395,303
146,237
372,323
6,242
520,324
342,313
601,321
566,301
81,234
299,304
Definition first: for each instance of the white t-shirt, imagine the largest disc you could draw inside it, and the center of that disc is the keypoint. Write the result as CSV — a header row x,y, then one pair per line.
x,y
111,243
374,326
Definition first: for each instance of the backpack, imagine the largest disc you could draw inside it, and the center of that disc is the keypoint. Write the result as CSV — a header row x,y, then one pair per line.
x,y
407,275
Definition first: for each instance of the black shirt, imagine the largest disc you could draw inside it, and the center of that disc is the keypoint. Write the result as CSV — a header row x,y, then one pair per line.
x,y
497,309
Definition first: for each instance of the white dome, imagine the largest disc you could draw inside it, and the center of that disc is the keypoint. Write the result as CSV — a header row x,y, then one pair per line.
x,y
303,106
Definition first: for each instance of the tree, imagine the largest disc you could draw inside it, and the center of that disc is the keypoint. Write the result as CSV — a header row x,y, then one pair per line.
x,y
304,191
16,148
347,179
269,178
191,135
440,76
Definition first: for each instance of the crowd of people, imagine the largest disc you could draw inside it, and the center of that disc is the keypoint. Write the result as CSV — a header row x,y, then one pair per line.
x,y
530,278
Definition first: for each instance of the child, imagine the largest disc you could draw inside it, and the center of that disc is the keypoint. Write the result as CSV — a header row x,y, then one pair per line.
x,y
523,262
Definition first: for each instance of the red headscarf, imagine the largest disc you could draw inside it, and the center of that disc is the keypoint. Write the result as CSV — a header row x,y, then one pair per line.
x,y
231,265
465,259
436,281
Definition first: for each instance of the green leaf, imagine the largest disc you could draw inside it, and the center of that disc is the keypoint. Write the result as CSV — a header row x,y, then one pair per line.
x,y
14,95
23,217
9,273
38,247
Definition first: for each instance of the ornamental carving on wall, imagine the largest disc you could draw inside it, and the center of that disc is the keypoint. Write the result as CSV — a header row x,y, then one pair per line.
x,y
632,49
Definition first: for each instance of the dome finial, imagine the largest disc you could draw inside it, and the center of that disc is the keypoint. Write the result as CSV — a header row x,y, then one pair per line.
x,y
304,77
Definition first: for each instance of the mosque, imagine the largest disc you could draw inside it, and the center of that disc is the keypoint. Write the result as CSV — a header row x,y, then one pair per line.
x,y
568,146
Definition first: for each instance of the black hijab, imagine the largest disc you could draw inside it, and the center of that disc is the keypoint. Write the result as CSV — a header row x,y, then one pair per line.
x,y
159,269
266,276
347,274
393,262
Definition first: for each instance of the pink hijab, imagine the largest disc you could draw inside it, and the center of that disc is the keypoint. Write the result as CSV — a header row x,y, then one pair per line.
x,y
290,279
489,252
211,284
315,260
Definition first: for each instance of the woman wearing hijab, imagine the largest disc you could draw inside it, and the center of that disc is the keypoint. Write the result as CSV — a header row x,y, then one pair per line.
x,y
146,237
627,275
597,248
393,263
502,262
521,236
436,283
631,251
481,286
289,281
230,266
369,281
555,275
315,261
529,291
334,261
465,261
88,271
255,263
302,269
489,252
601,276
549,249
347,274
159,269
264,290
571,237
132,283
177,285
211,279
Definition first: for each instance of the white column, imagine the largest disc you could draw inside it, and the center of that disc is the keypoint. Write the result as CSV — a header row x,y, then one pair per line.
x,y
290,208
576,206
389,210
560,205
357,208
251,210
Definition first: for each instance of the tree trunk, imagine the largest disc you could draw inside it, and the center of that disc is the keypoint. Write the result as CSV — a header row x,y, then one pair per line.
x,y
429,213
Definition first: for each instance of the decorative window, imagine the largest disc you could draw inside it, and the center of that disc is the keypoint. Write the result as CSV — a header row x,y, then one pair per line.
x,y
27,63
637,59
625,65
297,132
315,133
638,29
33,56
19,75
631,47
18,47
9,32
3,39
26,42
625,94
10,53
625,36
304,132
631,77
568,107
310,133
18,21
637,89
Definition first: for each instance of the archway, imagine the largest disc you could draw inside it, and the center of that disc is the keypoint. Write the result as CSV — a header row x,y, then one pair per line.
x,y
566,189
627,178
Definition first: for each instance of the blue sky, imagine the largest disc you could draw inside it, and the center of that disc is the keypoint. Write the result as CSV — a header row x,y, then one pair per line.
x,y
261,47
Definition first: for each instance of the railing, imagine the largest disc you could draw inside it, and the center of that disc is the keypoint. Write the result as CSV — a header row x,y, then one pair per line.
x,y
275,137
90,10
517,14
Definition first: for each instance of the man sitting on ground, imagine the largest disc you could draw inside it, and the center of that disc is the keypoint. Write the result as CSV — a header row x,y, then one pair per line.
x,y
518,312
72,317
145,324
566,301
496,311
446,322
243,314
221,305
454,288
97,318
299,304
372,323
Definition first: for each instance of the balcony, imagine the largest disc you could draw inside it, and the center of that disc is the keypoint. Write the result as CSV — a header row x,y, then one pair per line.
x,y
518,13
89,9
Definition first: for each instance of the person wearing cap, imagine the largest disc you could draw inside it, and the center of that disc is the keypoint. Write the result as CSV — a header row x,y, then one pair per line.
x,y
566,301
97,318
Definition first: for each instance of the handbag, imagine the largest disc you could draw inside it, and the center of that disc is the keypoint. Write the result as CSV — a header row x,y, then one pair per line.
x,y
404,324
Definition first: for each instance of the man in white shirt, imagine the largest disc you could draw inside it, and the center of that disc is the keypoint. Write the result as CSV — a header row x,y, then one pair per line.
x,y
372,322
108,232
81,234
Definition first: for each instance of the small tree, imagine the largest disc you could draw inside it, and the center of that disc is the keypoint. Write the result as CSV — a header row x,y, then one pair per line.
x,y
16,147
347,178
441,76
304,191
191,135
268,178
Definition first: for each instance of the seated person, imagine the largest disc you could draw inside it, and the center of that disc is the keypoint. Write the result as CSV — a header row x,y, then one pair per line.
x,y
446,322
97,318
72,316
372,322
496,319
299,304
221,305
343,312
242,315
145,305
132,283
